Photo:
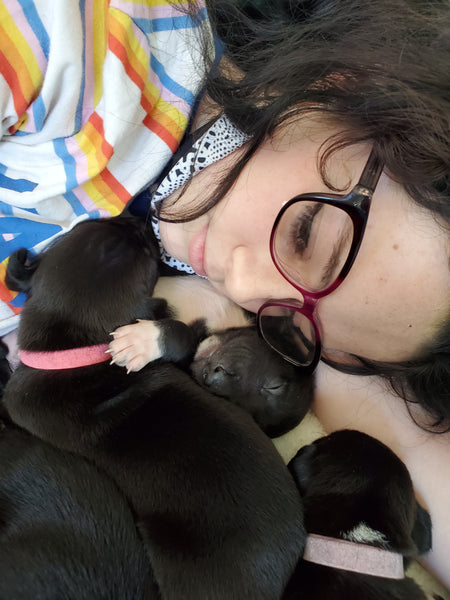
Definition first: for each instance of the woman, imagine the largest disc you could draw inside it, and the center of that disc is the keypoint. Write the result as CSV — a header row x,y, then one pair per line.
x,y
311,97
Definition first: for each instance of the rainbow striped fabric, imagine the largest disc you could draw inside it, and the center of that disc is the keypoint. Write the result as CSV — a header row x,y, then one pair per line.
x,y
95,96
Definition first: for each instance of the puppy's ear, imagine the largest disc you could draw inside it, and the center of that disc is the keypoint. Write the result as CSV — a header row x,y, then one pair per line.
x,y
418,540
21,266
421,533
300,466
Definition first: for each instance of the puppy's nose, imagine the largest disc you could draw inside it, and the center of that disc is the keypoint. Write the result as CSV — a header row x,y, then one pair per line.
x,y
205,377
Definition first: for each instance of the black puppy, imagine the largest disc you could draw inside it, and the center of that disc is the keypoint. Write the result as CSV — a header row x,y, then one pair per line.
x,y
358,491
238,365
219,512
66,532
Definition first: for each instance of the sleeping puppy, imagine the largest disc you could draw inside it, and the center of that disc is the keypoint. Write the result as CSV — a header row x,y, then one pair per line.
x,y
359,493
65,529
216,507
238,365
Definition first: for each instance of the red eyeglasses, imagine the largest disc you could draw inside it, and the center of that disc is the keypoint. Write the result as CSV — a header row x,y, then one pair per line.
x,y
314,242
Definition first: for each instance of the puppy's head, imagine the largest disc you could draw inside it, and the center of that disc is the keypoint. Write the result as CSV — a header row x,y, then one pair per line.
x,y
354,487
99,275
238,365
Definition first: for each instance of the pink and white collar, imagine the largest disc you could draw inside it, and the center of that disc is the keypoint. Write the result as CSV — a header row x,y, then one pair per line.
x,y
352,556
65,359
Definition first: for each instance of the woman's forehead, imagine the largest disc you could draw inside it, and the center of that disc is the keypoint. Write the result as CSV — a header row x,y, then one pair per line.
x,y
303,145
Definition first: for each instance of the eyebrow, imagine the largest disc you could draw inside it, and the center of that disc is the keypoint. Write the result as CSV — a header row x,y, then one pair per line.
x,y
334,258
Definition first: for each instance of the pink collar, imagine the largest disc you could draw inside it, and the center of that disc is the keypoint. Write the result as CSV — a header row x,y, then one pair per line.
x,y
65,359
351,556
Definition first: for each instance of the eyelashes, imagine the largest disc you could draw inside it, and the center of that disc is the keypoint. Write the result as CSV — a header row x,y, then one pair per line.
x,y
301,228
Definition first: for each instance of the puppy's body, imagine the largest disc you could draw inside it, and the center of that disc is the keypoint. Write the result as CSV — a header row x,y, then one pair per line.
x,y
357,489
65,529
218,511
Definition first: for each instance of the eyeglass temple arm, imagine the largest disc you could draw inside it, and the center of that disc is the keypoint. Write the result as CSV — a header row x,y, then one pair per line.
x,y
372,171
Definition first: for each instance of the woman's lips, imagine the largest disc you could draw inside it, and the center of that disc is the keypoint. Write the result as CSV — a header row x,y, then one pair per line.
x,y
197,251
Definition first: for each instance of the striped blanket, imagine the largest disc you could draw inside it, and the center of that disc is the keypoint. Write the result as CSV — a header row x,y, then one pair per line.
x,y
95,96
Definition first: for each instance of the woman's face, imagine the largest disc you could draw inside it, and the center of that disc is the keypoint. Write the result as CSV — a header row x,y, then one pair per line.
x,y
397,291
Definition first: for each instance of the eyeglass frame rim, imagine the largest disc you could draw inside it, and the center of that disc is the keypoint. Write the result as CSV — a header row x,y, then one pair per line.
x,y
289,303
357,205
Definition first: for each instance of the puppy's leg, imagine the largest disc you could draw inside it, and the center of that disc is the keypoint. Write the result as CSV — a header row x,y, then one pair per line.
x,y
21,265
134,346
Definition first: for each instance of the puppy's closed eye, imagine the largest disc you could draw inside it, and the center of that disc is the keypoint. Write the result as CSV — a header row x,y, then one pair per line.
x,y
275,386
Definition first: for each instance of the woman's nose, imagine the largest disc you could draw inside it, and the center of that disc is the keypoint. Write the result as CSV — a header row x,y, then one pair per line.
x,y
251,280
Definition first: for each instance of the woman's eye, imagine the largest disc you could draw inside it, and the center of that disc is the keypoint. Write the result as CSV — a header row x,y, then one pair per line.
x,y
301,231
302,226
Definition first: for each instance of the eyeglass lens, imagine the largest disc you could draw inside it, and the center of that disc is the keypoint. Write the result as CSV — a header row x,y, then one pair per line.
x,y
288,332
311,243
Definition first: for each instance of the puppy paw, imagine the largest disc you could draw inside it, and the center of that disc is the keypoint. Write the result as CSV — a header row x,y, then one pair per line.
x,y
134,346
